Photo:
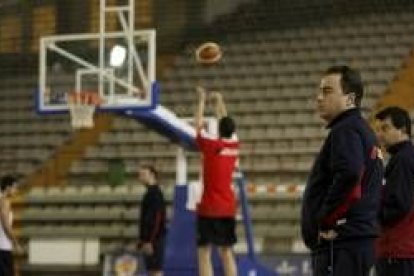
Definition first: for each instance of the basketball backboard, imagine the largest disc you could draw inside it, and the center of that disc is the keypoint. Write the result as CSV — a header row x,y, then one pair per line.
x,y
78,63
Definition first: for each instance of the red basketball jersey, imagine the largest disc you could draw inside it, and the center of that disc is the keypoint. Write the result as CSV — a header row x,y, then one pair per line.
x,y
219,159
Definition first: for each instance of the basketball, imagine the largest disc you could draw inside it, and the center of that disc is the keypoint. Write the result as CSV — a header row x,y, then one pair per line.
x,y
208,53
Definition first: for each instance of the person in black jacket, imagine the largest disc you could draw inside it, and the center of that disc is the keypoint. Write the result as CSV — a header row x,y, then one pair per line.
x,y
341,198
395,246
152,221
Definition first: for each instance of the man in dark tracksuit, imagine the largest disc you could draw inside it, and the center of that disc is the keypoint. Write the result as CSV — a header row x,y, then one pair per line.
x,y
341,198
152,222
395,246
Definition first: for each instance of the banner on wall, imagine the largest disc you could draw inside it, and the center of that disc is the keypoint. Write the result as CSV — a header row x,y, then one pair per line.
x,y
289,264
123,263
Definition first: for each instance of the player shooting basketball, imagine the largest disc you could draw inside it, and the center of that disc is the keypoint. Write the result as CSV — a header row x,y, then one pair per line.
x,y
216,212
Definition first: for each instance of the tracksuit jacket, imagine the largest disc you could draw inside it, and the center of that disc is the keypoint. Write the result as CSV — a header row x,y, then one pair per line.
x,y
397,208
153,215
343,189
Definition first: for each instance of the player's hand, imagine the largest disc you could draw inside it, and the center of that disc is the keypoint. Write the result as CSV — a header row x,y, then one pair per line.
x,y
147,248
201,93
328,235
216,96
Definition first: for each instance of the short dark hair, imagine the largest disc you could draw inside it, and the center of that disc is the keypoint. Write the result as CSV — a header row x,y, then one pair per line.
x,y
7,181
399,117
227,127
351,81
151,169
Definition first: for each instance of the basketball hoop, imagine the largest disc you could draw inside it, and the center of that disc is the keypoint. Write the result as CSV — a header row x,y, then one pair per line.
x,y
82,106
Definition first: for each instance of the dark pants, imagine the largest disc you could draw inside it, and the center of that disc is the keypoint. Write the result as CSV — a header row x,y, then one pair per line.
x,y
395,267
345,259
155,261
6,263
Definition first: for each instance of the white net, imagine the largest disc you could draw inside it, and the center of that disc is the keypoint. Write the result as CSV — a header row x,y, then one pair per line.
x,y
82,107
82,115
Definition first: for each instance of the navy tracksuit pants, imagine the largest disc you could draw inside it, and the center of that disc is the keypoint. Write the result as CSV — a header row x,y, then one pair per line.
x,y
395,267
345,258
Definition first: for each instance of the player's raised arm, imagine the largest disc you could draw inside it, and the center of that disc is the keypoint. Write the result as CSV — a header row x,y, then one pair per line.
x,y
199,114
220,107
